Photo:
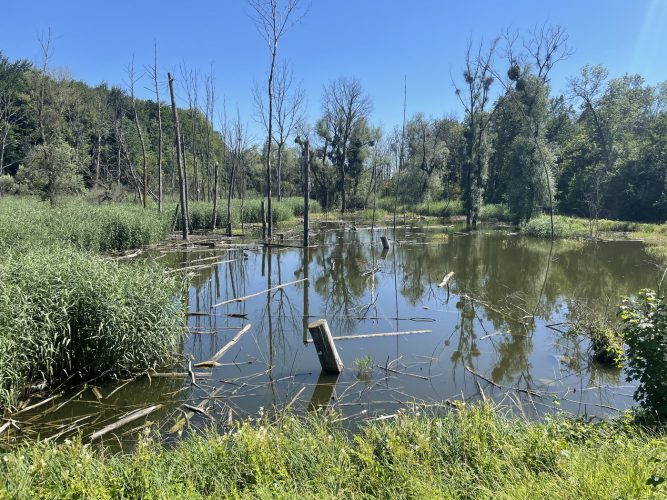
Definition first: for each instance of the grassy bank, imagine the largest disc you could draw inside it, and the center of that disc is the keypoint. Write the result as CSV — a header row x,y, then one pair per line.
x,y
654,235
65,313
27,222
474,453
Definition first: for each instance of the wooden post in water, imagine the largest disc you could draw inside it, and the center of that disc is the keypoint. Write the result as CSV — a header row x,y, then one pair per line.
x,y
326,349
306,191
262,216
385,242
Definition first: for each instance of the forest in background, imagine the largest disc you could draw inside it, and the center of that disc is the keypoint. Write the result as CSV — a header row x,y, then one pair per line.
x,y
599,150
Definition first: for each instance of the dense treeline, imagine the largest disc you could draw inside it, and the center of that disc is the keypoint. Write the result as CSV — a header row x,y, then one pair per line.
x,y
599,150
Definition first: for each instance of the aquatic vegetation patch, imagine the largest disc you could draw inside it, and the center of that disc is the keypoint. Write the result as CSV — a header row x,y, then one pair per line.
x,y
27,223
64,313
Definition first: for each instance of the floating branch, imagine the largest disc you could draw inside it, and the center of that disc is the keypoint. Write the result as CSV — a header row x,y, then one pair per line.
x,y
241,299
387,369
371,335
214,359
445,280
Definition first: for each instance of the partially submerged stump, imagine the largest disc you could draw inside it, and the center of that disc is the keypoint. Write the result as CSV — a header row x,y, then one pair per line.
x,y
385,242
326,349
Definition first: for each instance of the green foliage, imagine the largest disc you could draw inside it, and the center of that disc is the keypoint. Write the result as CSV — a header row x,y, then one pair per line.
x,y
364,365
63,312
52,171
540,227
8,185
471,453
445,208
25,223
645,333
494,211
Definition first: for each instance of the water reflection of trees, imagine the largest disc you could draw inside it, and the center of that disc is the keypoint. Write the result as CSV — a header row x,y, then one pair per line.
x,y
499,280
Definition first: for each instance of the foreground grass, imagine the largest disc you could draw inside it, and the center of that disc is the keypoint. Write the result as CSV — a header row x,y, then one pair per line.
x,y
474,453
65,313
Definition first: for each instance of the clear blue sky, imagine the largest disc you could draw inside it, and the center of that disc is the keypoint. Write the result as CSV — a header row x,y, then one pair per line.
x,y
376,41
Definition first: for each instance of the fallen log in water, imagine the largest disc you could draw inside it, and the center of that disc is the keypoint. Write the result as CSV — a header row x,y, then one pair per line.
x,y
372,335
241,299
125,420
214,359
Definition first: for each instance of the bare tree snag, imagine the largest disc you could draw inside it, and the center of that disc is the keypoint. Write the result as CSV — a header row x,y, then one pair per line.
x,y
181,177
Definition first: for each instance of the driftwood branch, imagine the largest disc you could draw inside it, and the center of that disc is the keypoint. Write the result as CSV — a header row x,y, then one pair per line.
x,y
125,420
372,335
214,359
241,299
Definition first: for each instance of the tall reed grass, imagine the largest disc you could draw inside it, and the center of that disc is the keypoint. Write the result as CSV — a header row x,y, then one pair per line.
x,y
64,313
26,222
201,213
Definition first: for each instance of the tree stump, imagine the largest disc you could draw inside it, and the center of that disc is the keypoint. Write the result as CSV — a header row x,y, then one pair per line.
x,y
326,349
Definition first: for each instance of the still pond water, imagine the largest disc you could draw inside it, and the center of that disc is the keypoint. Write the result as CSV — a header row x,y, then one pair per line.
x,y
499,328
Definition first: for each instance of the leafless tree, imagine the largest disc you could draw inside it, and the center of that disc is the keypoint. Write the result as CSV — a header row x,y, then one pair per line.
x,y
132,80
289,101
547,45
344,103
46,51
153,70
181,177
210,110
272,19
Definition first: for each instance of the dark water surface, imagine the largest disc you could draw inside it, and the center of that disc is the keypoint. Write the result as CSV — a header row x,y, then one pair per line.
x,y
492,328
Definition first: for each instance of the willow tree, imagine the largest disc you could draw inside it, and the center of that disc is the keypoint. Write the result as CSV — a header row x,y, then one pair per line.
x,y
475,98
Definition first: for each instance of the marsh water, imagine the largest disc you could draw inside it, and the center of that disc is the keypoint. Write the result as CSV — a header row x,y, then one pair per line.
x,y
498,330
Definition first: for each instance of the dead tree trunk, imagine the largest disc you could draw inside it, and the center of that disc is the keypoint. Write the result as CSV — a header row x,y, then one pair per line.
x,y
159,137
215,196
181,176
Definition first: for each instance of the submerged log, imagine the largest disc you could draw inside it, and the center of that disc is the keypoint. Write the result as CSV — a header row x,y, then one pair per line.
x,y
326,349
125,420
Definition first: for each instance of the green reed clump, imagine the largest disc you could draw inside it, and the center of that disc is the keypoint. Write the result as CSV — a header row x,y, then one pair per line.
x,y
63,313
472,453
443,208
495,211
26,222
201,212
564,227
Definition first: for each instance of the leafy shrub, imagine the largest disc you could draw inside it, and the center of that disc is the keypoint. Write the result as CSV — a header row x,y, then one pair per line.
x,y
540,227
645,333
63,312
8,185
201,212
